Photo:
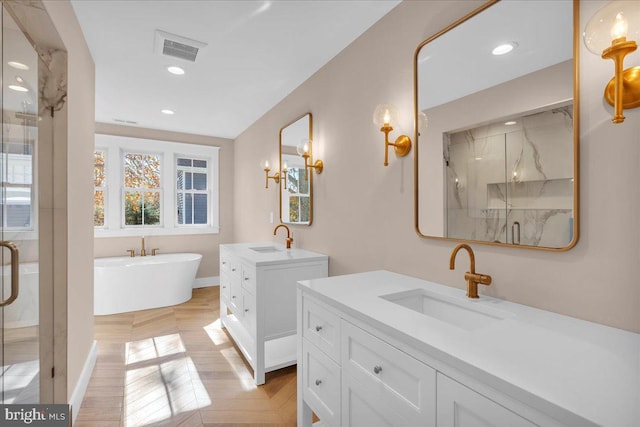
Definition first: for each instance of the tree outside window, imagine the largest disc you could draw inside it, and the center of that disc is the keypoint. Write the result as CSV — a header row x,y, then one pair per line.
x,y
142,192
99,182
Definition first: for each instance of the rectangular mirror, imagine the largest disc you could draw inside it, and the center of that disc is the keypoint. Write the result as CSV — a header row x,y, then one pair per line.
x,y
496,108
296,187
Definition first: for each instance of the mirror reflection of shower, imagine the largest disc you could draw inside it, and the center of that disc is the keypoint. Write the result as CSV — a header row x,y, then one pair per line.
x,y
519,179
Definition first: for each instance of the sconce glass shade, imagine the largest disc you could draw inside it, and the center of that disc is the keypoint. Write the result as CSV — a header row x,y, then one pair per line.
x,y
303,147
385,114
423,122
612,22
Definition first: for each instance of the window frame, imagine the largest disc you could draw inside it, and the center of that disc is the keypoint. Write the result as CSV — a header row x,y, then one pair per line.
x,y
116,146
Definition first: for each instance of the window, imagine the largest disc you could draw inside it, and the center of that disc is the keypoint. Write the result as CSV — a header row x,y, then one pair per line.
x,y
142,190
298,189
141,184
99,182
191,190
17,183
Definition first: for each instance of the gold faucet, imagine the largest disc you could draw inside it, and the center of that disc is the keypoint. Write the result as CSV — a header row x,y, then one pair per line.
x,y
471,277
132,252
289,238
143,252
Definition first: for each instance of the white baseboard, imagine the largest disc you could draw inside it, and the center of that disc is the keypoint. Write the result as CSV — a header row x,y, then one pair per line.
x,y
205,282
83,381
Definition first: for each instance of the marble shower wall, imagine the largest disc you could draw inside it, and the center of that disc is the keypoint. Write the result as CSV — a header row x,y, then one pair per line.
x,y
498,175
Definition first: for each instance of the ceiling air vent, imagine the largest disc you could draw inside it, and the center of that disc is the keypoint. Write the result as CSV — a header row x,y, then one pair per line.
x,y
177,46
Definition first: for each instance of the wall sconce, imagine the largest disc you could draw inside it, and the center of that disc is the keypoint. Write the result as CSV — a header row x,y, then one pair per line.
x,y
275,176
384,116
612,33
304,150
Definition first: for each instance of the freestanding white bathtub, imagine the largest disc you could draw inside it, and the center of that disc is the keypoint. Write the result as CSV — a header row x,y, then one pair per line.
x,y
124,284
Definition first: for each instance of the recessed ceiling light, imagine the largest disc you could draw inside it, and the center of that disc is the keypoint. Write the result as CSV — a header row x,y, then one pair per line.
x,y
18,88
510,123
504,48
18,65
167,111
175,70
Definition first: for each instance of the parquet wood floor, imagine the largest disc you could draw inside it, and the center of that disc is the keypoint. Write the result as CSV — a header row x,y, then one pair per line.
x,y
176,366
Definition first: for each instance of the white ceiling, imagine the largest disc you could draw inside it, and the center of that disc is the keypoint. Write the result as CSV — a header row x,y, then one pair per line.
x,y
257,52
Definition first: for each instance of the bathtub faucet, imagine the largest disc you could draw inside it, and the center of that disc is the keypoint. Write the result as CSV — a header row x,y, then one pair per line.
x,y
143,252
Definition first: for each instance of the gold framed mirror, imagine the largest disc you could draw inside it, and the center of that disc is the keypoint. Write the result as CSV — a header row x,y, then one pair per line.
x,y
296,185
496,103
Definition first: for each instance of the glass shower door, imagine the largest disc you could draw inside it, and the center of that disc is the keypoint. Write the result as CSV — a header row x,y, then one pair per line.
x,y
19,290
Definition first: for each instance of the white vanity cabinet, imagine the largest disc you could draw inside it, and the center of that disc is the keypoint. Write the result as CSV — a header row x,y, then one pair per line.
x,y
367,357
258,300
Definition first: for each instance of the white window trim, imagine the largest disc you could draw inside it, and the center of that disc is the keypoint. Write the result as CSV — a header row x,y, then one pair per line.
x,y
115,146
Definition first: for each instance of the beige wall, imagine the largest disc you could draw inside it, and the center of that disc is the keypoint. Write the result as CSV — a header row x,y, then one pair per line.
x,y
363,212
205,244
73,211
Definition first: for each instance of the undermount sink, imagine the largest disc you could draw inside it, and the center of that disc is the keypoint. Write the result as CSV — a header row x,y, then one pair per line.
x,y
450,310
265,249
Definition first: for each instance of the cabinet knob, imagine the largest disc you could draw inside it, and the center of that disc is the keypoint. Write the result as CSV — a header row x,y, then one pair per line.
x,y
377,369
318,328
233,296
233,269
246,310
318,382
246,278
224,262
224,287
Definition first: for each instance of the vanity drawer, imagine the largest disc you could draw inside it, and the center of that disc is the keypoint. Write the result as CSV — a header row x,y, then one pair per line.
x,y
321,326
393,378
321,384
229,264
249,278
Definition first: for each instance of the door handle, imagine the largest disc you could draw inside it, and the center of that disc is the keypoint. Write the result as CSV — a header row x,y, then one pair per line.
x,y
15,273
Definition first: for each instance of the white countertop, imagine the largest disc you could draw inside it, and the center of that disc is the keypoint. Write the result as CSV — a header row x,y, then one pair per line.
x,y
276,254
555,363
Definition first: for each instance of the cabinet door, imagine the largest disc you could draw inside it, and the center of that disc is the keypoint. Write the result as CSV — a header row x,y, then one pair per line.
x,y
460,406
225,287
363,405
249,278
386,379
235,295
320,384
249,312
